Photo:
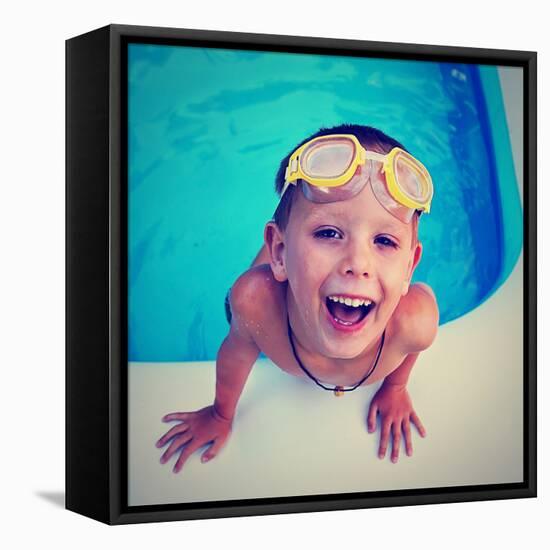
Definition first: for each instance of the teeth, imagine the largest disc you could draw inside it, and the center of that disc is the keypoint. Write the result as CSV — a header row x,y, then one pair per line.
x,y
353,302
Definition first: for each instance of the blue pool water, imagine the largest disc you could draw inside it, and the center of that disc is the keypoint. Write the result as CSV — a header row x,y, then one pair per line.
x,y
207,131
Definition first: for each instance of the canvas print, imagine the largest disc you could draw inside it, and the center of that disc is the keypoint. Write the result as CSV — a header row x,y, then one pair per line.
x,y
325,274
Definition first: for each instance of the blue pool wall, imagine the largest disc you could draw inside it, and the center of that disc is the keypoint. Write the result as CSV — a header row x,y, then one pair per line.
x,y
207,130
507,189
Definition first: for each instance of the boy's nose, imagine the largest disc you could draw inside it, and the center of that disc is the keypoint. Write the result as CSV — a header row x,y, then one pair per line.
x,y
357,261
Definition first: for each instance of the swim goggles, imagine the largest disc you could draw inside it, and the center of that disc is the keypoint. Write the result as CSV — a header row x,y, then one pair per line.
x,y
337,167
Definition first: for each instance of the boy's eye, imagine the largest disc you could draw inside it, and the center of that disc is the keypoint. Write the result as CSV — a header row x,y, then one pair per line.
x,y
327,233
385,241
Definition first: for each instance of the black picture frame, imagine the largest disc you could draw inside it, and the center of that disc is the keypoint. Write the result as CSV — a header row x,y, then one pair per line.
x,y
96,285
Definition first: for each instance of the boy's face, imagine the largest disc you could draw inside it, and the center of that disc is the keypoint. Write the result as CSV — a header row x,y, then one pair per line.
x,y
354,250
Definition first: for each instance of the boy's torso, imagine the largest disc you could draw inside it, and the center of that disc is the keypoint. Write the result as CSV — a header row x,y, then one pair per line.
x,y
271,337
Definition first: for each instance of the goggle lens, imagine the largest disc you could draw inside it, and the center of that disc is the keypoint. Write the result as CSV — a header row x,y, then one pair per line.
x,y
411,180
320,161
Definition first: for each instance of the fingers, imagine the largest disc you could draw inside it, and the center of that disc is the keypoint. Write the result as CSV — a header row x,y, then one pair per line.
x,y
395,429
416,421
179,429
174,446
184,455
408,438
213,450
384,438
174,416
371,417
396,441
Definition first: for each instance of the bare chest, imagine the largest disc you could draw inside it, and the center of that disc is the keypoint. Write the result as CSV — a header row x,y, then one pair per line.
x,y
276,346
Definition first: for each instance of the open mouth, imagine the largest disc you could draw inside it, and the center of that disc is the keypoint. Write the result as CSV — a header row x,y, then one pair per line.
x,y
348,311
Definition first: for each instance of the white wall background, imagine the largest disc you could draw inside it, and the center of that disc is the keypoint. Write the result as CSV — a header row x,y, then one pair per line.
x,y
32,272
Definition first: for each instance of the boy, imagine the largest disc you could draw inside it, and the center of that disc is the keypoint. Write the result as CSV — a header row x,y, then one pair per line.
x,y
329,295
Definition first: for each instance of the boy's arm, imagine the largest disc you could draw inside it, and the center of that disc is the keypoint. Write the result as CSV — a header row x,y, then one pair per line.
x,y
417,321
400,376
239,350
234,361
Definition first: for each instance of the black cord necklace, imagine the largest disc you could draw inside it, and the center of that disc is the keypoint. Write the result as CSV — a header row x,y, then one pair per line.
x,y
338,390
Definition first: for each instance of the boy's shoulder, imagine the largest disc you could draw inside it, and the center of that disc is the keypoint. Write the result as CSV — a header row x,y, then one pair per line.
x,y
416,318
256,293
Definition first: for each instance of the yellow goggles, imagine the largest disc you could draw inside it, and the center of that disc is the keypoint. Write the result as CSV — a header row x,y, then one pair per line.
x,y
337,167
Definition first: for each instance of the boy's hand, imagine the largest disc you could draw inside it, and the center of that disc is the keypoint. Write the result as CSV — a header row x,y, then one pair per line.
x,y
194,430
394,404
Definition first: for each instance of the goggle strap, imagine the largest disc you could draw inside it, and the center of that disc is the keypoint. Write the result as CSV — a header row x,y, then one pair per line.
x,y
292,167
286,186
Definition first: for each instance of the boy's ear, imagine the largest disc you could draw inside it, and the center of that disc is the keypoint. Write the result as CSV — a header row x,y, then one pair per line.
x,y
413,262
275,244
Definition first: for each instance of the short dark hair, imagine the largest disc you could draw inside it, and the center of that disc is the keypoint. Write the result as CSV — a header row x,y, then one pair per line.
x,y
369,137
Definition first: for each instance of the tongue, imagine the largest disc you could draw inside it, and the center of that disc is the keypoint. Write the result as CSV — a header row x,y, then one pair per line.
x,y
346,313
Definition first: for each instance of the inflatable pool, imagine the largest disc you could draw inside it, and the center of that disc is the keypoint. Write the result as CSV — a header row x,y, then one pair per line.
x,y
207,130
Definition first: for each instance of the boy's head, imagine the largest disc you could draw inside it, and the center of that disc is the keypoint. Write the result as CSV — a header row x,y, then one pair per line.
x,y
348,262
